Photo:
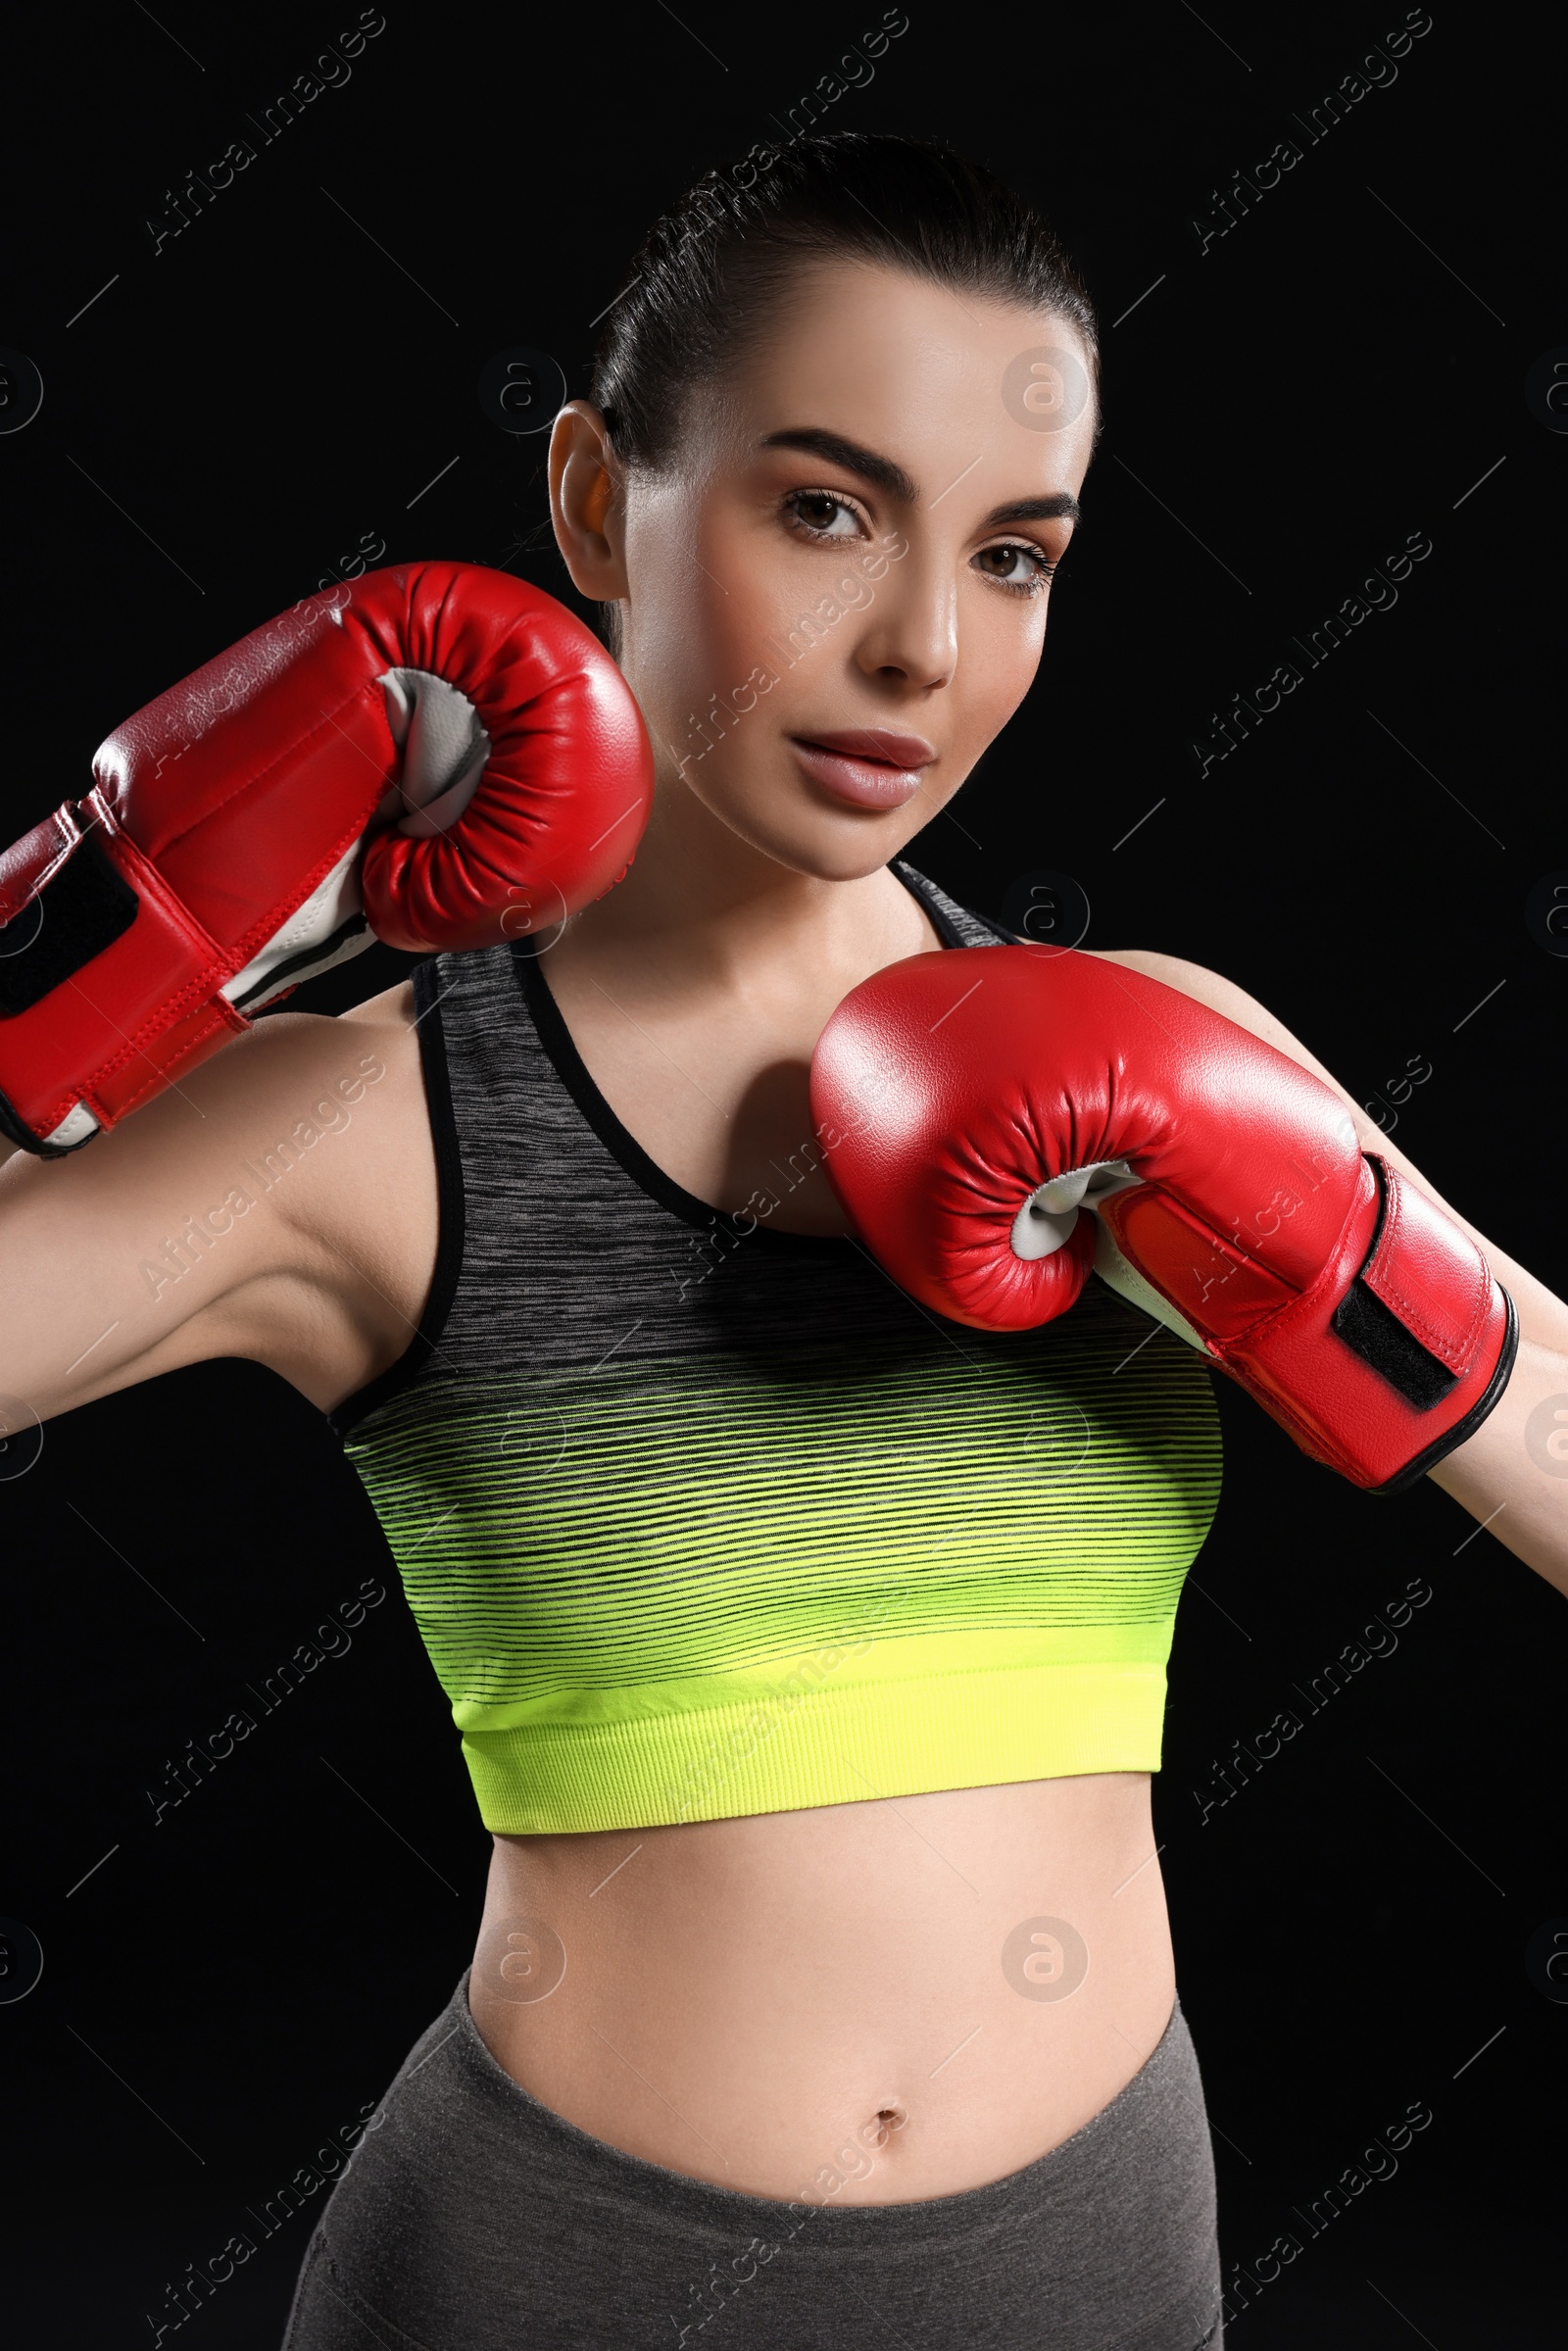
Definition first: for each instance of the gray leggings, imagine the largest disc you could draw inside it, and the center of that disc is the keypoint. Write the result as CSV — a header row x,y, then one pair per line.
x,y
472,2218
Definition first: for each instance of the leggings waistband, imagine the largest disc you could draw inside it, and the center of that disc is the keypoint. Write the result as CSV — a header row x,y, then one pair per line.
x,y
475,2218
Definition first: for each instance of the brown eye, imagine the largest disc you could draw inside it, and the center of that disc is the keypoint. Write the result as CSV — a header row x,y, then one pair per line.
x,y
822,513
1019,567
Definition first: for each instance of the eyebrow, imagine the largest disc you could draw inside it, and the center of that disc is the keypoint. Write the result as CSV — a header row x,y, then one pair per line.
x,y
885,473
1058,506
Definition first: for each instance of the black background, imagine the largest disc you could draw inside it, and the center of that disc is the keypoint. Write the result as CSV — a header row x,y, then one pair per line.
x,y
220,429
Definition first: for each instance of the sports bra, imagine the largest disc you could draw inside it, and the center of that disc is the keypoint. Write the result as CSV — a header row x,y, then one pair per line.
x,y
699,1518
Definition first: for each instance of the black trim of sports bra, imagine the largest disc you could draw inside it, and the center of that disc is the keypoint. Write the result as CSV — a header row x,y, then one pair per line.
x,y
450,1211
558,1041
622,1146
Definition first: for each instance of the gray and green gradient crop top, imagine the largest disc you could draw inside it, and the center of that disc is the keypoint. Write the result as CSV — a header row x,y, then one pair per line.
x,y
699,1518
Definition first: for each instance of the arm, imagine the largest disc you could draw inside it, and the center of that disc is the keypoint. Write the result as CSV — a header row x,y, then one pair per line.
x,y
1498,1474
279,1202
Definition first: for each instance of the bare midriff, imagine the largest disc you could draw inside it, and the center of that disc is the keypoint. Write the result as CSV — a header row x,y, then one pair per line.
x,y
864,2004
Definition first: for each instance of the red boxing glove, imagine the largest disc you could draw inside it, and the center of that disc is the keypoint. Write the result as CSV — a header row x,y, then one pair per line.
x,y
969,1105
438,756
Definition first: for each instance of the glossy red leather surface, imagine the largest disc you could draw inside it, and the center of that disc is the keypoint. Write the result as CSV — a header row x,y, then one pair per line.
x,y
963,1083
229,798
949,1089
1430,1273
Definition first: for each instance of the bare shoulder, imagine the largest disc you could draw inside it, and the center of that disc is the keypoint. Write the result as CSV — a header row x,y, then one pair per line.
x,y
345,1167
1220,995
392,1009
300,1086
279,1201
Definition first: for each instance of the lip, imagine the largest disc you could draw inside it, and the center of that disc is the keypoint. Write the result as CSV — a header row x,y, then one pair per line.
x,y
865,766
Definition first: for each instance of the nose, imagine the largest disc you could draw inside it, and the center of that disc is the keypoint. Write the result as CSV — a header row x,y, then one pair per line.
x,y
911,629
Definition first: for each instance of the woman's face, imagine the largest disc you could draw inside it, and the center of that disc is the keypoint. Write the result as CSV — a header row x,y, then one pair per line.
x,y
835,595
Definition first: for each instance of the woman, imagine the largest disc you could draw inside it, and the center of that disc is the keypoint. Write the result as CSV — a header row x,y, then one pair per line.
x,y
808,1649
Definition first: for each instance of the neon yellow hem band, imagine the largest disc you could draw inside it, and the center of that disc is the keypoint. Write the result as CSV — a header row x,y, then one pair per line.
x,y
825,1745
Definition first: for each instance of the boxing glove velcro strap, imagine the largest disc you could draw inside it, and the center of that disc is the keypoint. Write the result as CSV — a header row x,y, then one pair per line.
x,y
61,922
1377,1335
1417,1309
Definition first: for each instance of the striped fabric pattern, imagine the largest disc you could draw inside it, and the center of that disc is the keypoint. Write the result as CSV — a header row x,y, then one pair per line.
x,y
700,1518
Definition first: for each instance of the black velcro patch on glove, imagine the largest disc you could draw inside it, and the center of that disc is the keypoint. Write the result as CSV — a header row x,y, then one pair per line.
x,y
82,909
1381,1339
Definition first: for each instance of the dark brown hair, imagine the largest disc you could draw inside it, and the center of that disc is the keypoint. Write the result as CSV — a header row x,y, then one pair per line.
x,y
709,272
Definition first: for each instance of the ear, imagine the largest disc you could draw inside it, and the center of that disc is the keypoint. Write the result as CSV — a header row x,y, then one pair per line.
x,y
585,477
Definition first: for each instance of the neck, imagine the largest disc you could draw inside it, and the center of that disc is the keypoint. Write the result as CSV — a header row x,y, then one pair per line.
x,y
700,903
